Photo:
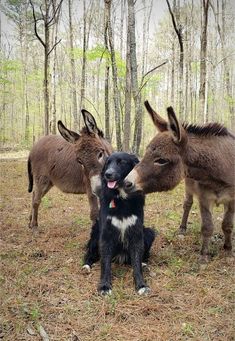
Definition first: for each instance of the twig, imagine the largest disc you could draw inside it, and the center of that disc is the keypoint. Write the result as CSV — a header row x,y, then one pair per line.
x,y
43,333
54,46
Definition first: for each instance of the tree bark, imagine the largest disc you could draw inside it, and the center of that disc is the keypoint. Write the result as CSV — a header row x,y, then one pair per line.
x,y
203,65
127,118
73,72
115,77
134,79
106,87
179,32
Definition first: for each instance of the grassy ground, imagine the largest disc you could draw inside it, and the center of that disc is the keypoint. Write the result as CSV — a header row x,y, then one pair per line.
x,y
42,286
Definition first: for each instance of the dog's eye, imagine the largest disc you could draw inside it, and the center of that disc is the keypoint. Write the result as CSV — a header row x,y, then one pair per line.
x,y
161,162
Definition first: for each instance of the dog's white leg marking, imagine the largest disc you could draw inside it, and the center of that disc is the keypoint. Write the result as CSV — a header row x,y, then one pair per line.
x,y
86,268
104,292
144,291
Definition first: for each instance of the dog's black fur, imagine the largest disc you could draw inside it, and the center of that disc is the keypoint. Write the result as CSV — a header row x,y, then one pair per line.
x,y
119,234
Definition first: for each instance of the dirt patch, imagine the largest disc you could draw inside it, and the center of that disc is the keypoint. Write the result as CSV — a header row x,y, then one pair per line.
x,y
42,284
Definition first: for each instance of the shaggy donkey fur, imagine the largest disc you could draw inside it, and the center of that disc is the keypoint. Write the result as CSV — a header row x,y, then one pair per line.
x,y
119,235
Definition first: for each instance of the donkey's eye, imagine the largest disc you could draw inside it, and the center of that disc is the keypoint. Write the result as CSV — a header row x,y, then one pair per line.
x,y
161,162
79,160
100,155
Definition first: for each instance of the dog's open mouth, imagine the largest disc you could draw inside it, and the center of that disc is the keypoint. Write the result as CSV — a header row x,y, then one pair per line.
x,y
111,184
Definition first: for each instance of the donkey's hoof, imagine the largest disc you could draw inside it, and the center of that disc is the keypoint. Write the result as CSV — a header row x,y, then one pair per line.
x,y
203,262
86,268
181,231
144,291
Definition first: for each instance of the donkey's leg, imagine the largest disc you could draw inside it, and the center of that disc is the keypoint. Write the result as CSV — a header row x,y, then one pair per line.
x,y
227,224
94,207
186,209
206,228
42,186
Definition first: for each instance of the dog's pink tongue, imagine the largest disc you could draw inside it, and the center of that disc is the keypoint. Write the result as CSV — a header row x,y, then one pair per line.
x,y
111,184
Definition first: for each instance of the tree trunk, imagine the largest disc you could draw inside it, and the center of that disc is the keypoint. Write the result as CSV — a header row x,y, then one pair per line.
x,y
115,78
179,31
203,56
106,87
84,48
73,72
227,74
46,71
134,79
127,118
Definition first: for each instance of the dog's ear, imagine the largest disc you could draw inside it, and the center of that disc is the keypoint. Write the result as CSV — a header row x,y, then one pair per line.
x,y
135,160
104,167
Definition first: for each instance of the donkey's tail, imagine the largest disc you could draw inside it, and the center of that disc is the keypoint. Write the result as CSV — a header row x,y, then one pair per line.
x,y
30,176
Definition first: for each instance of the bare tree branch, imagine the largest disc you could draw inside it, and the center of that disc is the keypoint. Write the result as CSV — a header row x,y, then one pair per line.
x,y
54,46
43,16
35,25
143,84
177,30
55,12
155,68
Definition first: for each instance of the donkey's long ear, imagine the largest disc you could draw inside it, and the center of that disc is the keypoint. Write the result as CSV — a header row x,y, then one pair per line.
x,y
67,134
174,126
158,121
90,122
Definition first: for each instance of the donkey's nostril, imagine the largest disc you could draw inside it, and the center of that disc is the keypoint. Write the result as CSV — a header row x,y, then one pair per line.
x,y
128,185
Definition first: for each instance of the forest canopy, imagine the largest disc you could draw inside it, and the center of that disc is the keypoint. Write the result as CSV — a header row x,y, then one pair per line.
x,y
59,56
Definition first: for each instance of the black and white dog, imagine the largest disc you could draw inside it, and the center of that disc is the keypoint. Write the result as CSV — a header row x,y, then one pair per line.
x,y
119,235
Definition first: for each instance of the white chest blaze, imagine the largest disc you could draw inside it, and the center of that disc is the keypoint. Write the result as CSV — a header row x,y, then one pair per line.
x,y
123,224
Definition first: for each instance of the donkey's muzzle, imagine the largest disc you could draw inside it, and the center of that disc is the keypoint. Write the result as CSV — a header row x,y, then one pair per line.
x,y
129,186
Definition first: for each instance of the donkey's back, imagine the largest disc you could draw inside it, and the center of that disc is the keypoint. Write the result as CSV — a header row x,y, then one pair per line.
x,y
53,161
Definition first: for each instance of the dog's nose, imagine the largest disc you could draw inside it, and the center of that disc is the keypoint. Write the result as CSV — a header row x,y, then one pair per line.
x,y
108,174
128,185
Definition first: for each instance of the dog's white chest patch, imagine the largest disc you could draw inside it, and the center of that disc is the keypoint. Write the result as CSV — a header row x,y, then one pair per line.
x,y
123,224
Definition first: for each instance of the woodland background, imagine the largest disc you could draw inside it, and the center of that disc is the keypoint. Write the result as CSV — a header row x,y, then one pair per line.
x,y
58,56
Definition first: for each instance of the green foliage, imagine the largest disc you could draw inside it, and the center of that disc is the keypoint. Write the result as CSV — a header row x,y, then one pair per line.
x,y
187,329
46,202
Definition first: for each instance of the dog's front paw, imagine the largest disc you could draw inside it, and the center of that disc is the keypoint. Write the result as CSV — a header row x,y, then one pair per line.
x,y
86,268
143,291
104,290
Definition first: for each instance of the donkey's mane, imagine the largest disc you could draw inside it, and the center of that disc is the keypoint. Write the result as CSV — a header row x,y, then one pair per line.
x,y
85,131
210,129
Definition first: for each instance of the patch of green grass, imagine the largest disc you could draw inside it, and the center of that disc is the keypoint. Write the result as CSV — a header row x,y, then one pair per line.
x,y
82,221
46,202
176,264
170,234
72,245
215,310
105,331
187,329
10,255
119,272
31,312
2,280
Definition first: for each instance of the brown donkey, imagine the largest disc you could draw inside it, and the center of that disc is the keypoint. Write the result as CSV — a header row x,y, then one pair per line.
x,y
72,163
204,155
